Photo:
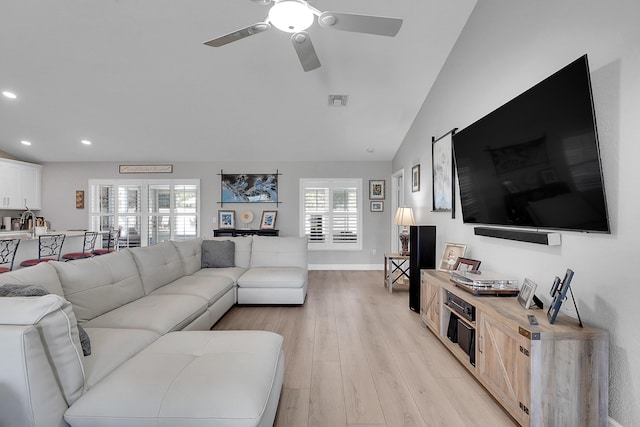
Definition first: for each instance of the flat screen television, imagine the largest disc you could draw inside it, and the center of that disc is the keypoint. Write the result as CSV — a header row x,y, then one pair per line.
x,y
535,161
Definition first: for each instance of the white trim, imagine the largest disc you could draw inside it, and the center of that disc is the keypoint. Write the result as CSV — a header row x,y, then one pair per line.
x,y
363,267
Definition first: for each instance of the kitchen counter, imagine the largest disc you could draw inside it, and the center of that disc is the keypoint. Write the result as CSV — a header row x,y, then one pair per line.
x,y
26,234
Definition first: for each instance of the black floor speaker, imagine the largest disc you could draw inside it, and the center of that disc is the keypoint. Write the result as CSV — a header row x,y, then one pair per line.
x,y
422,254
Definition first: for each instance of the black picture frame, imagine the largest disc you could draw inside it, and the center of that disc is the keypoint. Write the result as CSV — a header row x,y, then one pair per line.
x,y
443,169
560,295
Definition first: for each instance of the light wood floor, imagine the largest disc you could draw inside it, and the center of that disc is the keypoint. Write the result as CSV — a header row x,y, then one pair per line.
x,y
357,356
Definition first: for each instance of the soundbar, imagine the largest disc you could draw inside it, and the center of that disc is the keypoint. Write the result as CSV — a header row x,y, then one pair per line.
x,y
539,237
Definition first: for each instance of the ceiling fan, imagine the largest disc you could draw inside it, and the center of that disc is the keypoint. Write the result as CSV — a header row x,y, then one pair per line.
x,y
295,16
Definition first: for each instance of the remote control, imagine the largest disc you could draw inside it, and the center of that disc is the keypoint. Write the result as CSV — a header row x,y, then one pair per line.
x,y
532,319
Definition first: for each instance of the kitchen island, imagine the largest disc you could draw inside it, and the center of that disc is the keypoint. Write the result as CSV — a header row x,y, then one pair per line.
x,y
28,248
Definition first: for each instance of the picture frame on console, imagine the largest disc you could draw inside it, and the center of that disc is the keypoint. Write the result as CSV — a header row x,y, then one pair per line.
x,y
268,221
466,264
450,255
226,220
527,293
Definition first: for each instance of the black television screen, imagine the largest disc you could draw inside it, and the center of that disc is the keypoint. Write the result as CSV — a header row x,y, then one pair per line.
x,y
535,161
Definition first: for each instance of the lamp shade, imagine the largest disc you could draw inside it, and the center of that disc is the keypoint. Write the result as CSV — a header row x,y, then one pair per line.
x,y
404,216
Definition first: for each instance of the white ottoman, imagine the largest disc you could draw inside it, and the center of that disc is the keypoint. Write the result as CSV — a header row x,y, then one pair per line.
x,y
190,378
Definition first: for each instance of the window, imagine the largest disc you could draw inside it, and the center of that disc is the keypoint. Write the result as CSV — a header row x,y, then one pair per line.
x,y
146,211
331,213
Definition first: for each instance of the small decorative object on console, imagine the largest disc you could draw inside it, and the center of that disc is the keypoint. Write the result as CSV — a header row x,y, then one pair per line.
x,y
227,220
559,293
464,264
527,293
268,221
451,253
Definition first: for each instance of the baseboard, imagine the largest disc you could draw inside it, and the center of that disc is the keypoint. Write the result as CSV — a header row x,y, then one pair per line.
x,y
539,237
346,266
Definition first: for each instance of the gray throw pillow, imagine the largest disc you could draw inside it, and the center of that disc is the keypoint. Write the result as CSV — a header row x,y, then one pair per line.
x,y
10,290
218,254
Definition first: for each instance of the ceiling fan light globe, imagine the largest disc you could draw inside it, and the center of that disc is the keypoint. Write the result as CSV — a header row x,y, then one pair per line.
x,y
290,16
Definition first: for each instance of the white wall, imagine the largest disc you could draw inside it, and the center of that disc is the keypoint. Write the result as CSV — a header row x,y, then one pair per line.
x,y
505,48
61,180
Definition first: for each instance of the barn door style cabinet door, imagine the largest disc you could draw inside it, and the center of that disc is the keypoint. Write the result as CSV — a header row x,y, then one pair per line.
x,y
544,375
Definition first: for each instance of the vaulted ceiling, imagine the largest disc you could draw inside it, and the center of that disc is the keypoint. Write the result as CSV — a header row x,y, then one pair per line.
x,y
134,78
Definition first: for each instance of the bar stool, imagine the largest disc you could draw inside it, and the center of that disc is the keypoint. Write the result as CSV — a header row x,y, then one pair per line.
x,y
49,249
87,247
8,249
112,243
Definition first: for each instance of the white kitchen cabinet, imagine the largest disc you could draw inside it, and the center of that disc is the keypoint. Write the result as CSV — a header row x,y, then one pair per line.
x,y
20,185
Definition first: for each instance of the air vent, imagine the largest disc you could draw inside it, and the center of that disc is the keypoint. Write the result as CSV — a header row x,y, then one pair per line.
x,y
337,100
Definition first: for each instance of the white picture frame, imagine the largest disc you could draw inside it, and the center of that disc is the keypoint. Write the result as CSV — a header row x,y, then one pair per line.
x,y
450,255
527,291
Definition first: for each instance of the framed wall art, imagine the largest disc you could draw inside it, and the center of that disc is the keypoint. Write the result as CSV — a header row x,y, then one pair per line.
x,y
443,169
376,189
415,178
376,206
249,188
226,220
268,221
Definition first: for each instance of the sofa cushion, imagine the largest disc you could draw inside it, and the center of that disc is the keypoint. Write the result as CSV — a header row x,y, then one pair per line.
x,y
111,348
56,323
158,265
243,245
218,254
158,313
279,252
273,277
191,253
42,274
225,378
98,285
208,288
232,273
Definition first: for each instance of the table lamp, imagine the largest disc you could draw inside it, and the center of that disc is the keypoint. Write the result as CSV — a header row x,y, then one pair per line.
x,y
404,217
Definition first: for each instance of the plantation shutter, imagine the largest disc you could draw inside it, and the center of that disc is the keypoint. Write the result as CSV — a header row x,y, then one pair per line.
x,y
331,213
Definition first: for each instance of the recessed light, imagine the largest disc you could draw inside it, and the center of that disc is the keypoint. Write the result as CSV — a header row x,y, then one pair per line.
x,y
9,95
25,142
86,142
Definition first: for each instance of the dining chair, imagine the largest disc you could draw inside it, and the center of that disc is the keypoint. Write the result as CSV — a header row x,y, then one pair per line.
x,y
112,243
49,249
8,249
88,244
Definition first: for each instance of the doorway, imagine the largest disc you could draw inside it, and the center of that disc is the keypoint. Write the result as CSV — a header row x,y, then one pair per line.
x,y
397,200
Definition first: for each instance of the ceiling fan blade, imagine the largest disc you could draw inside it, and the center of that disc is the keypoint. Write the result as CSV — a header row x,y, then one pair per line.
x,y
239,34
378,25
306,53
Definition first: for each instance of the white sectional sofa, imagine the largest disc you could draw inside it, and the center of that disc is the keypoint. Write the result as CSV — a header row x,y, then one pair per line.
x,y
153,361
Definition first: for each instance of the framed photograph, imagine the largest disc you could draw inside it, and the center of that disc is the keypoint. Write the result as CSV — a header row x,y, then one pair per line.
x,y
527,292
226,220
415,178
376,189
268,221
560,295
466,264
443,173
377,206
450,255
249,188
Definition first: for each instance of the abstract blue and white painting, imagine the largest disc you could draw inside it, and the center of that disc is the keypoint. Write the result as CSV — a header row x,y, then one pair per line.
x,y
249,188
